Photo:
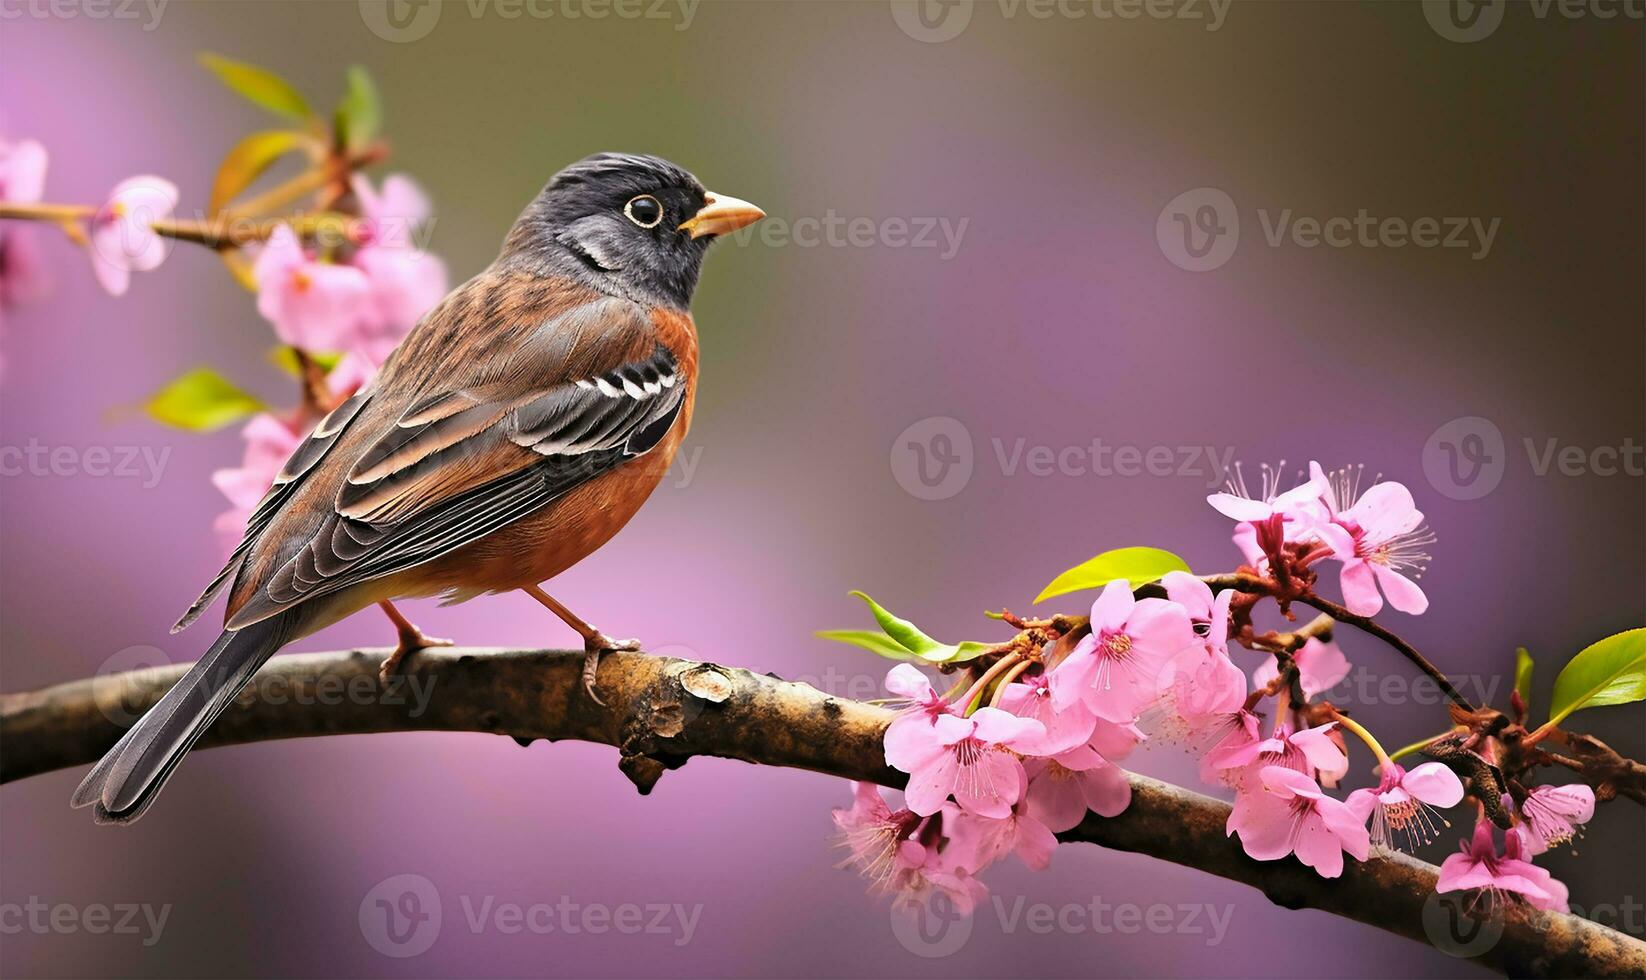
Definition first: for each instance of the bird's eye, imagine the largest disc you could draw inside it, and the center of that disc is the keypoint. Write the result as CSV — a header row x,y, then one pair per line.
x,y
644,211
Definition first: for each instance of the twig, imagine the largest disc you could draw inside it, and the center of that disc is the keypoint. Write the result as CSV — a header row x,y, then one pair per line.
x,y
660,712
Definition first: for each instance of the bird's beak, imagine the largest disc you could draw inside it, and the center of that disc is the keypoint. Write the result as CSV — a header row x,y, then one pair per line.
x,y
721,215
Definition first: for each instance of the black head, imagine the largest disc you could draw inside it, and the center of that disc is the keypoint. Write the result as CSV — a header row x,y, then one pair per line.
x,y
627,224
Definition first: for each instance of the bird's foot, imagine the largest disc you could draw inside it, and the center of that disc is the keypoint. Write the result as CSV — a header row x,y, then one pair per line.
x,y
595,644
412,640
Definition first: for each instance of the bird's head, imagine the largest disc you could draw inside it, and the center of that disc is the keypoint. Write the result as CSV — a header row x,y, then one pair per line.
x,y
625,223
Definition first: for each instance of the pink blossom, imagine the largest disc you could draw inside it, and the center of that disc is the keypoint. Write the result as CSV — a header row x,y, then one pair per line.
x,y
976,842
1293,515
1555,814
1381,539
924,874
1321,665
269,443
873,833
1204,693
1306,751
1478,865
405,281
22,181
920,707
1065,729
1403,804
966,757
1062,788
317,306
390,217
123,239
1290,814
1117,669
1234,738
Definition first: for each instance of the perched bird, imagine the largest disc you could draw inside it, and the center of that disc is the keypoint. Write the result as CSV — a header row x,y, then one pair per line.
x,y
513,432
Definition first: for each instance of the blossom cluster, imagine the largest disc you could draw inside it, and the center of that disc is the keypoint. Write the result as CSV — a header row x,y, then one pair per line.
x,y
1030,745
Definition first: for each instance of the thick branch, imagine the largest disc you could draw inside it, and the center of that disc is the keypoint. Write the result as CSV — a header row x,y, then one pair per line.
x,y
661,712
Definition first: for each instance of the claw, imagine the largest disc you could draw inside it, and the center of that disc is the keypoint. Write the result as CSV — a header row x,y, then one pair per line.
x,y
411,641
595,645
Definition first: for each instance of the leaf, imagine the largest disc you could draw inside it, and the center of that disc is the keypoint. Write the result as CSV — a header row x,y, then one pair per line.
x,y
870,640
240,267
261,86
249,159
282,357
1523,675
202,400
1136,565
360,114
906,634
1612,671
902,640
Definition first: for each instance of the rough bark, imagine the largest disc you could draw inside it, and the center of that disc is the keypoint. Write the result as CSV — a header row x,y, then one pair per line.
x,y
660,712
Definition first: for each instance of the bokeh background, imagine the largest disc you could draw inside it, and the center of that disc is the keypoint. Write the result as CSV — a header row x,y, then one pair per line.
x,y
1054,315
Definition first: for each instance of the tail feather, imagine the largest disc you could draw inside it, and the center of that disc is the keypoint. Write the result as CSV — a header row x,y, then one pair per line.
x,y
126,781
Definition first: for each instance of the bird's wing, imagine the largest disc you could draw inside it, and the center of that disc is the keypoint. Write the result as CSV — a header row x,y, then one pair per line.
x,y
326,434
461,437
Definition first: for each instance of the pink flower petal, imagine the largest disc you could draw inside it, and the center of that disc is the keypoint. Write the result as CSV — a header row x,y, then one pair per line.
x,y
1360,588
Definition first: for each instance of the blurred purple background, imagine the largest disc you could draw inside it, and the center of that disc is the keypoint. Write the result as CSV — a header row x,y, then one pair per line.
x,y
1051,316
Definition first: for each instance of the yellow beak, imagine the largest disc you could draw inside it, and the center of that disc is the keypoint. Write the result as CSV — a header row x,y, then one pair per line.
x,y
721,215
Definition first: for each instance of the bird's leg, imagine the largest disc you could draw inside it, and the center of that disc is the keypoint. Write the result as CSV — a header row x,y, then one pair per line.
x,y
411,641
594,642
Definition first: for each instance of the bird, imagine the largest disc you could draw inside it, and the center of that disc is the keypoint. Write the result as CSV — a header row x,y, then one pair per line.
x,y
515,430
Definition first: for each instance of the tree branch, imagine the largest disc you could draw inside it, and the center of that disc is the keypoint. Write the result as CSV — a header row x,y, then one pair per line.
x,y
660,712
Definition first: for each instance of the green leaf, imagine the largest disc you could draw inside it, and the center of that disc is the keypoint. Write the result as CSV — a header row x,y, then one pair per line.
x,y
1136,565
870,640
1523,675
249,159
906,634
1612,671
201,401
261,86
282,357
360,114
902,640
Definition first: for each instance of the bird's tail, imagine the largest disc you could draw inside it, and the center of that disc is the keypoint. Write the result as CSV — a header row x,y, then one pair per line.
x,y
125,782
